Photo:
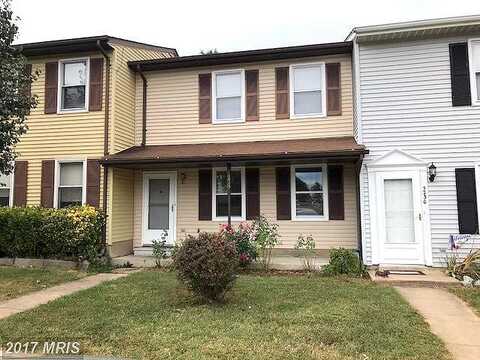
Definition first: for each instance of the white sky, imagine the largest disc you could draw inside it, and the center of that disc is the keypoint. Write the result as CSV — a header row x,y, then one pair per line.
x,y
190,26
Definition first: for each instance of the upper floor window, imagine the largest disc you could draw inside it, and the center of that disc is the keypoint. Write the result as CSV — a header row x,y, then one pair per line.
x,y
73,84
475,70
308,91
71,184
228,96
5,190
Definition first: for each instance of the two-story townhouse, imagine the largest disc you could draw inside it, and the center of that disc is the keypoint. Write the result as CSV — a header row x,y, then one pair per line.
x,y
86,106
417,110
277,122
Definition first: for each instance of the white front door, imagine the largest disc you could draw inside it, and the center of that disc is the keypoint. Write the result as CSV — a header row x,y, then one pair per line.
x,y
159,204
400,217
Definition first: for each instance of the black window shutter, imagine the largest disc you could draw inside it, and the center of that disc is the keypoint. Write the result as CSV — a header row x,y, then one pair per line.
x,y
252,179
460,74
283,193
205,194
466,201
336,202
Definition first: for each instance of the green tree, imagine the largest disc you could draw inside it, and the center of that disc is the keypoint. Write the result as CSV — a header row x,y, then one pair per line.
x,y
209,52
15,100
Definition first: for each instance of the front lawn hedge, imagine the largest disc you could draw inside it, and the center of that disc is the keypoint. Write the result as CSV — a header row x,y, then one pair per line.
x,y
34,232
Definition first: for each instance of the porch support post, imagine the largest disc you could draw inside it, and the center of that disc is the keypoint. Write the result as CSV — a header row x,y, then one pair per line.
x,y
229,192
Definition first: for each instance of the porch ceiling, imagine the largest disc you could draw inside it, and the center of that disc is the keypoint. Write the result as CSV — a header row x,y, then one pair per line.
x,y
238,153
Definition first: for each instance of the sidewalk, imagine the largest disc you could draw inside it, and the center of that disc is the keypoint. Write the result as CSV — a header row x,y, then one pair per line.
x,y
449,318
37,298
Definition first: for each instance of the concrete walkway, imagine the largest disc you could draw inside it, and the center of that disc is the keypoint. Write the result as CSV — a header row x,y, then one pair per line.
x,y
450,319
37,298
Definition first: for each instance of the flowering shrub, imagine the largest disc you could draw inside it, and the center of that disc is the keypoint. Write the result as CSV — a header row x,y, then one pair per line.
x,y
73,233
244,239
207,264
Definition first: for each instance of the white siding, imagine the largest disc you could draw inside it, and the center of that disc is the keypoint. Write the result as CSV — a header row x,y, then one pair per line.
x,y
406,103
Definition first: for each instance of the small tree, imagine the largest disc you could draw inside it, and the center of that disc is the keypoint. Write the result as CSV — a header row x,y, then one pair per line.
x,y
15,99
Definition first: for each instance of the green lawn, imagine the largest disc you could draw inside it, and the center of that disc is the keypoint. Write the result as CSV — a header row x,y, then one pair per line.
x,y
469,295
15,282
149,316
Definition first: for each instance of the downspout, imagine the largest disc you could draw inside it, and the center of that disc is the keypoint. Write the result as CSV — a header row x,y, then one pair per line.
x,y
358,167
105,134
144,106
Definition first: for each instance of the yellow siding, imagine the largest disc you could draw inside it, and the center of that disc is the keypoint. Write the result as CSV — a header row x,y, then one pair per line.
x,y
57,136
123,93
121,183
172,111
327,234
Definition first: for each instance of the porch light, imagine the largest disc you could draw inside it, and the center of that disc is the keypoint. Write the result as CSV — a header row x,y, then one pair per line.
x,y
432,172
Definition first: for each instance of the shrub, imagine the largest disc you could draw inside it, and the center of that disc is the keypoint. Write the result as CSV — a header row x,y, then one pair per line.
x,y
207,264
265,236
244,242
306,246
344,262
159,251
73,233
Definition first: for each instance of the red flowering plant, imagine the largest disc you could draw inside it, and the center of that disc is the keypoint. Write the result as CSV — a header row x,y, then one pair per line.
x,y
244,239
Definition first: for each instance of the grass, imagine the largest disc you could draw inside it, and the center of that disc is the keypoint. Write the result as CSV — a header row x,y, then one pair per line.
x,y
148,315
15,282
470,295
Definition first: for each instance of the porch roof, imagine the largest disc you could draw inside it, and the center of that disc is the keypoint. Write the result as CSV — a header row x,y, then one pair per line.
x,y
254,152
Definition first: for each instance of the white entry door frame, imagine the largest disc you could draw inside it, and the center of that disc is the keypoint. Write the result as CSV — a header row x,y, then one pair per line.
x,y
401,168
164,228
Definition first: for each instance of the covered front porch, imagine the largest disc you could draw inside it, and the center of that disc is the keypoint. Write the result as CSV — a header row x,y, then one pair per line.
x,y
167,192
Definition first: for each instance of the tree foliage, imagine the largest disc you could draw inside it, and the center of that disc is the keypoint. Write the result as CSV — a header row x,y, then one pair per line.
x,y
15,100
209,52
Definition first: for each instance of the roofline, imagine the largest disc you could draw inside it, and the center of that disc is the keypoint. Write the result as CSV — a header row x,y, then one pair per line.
x,y
235,158
413,25
243,56
79,44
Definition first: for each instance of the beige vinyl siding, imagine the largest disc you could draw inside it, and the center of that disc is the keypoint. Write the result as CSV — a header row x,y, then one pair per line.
x,y
327,234
172,109
121,182
57,136
123,92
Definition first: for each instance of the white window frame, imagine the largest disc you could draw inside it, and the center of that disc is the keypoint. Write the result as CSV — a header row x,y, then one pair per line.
x,y
292,68
214,195
10,195
241,119
60,86
57,179
473,80
293,190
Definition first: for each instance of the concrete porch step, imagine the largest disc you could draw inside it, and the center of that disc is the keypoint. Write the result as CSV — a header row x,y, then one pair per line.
x,y
143,251
433,277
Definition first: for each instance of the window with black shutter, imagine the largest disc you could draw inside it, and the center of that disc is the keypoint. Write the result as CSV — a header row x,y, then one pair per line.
x,y
466,201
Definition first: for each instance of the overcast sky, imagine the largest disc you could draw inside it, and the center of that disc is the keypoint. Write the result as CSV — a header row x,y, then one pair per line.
x,y
191,26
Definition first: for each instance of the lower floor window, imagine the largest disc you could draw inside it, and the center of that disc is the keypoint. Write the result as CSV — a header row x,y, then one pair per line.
x,y
309,192
5,189
236,195
70,185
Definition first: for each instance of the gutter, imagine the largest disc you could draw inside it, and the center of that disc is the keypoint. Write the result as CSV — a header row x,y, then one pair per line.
x,y
144,106
105,132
